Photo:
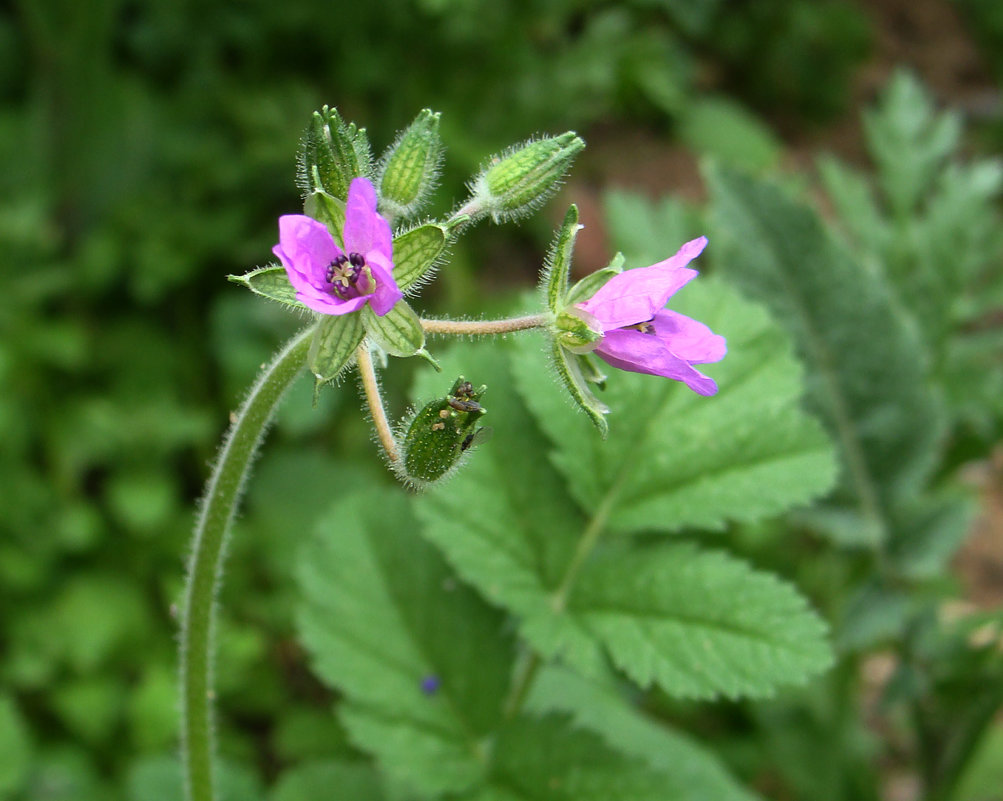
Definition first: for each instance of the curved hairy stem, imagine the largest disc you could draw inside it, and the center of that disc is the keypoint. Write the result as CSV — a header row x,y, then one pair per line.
x,y
205,562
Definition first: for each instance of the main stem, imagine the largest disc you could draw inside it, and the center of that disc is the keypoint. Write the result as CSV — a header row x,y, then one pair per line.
x,y
205,562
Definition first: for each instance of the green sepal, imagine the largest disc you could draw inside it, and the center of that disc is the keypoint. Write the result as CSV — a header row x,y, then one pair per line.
x,y
410,167
269,282
593,282
333,345
591,371
555,275
577,330
332,153
442,431
416,253
328,210
518,181
570,371
398,332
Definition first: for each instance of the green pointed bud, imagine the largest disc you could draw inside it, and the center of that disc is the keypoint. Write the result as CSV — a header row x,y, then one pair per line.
x,y
409,170
577,330
442,433
332,153
521,179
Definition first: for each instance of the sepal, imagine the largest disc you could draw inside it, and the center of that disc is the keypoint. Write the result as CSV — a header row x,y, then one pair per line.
x,y
332,153
577,330
555,274
416,253
521,179
442,432
409,170
569,369
333,345
329,210
398,332
270,282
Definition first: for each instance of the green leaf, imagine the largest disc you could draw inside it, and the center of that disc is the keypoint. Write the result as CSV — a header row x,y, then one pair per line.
x,y
675,459
546,759
15,747
416,253
691,772
721,128
555,275
381,614
271,283
866,365
333,344
665,614
398,332
158,778
313,781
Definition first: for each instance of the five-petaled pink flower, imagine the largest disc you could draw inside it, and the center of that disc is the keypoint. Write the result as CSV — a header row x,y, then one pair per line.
x,y
335,281
640,335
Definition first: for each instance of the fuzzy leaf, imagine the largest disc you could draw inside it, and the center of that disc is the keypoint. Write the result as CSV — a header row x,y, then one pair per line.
x,y
416,253
674,458
398,332
664,614
382,614
333,344
866,365
269,282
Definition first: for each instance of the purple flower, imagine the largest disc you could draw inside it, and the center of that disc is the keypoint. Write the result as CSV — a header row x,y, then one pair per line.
x,y
640,335
334,281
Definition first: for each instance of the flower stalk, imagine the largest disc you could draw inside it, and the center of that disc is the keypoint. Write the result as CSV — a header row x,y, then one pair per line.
x,y
483,327
371,387
205,562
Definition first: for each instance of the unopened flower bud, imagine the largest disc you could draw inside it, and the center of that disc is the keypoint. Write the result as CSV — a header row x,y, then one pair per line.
x,y
517,182
442,432
408,171
332,153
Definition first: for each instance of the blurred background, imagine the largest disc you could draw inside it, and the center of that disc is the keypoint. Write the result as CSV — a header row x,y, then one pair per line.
x,y
148,147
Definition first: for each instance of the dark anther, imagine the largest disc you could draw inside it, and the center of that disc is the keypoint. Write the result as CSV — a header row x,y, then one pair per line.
x,y
356,259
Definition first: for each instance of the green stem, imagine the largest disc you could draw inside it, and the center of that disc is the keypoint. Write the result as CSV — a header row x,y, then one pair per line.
x,y
478,327
205,562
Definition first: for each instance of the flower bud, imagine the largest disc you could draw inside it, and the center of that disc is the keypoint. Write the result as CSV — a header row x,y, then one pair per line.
x,y
332,153
410,167
442,432
517,182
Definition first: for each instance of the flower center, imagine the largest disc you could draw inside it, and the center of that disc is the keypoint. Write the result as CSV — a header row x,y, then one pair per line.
x,y
645,328
350,276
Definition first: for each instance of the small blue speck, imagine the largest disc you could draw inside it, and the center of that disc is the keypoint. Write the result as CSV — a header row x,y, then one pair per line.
x,y
430,684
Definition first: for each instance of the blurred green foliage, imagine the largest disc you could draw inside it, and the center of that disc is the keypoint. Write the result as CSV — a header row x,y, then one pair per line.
x,y
148,148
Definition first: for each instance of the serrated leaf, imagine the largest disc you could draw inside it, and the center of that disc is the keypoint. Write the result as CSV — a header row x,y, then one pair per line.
x,y
691,771
866,364
555,276
675,459
333,344
313,781
416,253
270,282
508,526
398,332
546,759
382,613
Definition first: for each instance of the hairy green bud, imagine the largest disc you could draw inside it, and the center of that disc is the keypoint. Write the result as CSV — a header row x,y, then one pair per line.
x,y
332,153
409,169
517,182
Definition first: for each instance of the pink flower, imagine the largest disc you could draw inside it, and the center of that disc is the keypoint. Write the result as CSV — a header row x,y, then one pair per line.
x,y
640,335
330,280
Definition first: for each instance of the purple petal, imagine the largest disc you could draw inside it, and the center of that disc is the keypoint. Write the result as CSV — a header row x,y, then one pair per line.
x,y
305,247
689,339
331,304
387,293
644,353
635,295
365,230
